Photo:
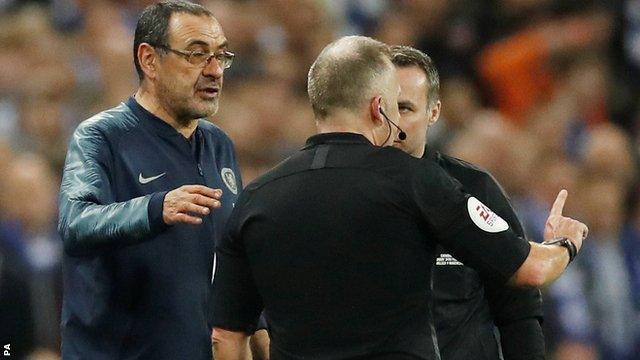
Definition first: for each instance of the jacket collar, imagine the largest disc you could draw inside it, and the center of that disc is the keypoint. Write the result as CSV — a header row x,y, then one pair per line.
x,y
431,153
151,121
336,138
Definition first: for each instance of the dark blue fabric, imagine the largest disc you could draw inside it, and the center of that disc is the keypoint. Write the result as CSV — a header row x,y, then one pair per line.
x,y
138,289
156,207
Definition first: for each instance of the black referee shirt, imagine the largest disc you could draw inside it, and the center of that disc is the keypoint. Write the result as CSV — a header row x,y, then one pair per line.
x,y
465,308
336,244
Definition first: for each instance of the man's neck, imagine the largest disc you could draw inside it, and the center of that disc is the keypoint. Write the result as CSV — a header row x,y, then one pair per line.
x,y
419,153
149,101
344,122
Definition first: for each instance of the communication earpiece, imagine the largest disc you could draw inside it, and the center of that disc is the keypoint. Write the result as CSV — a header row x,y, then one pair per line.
x,y
401,134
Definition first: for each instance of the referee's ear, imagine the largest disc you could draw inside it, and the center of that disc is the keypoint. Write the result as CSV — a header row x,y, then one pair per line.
x,y
375,109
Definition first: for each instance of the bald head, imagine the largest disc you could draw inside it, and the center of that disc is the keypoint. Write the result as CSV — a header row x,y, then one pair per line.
x,y
348,73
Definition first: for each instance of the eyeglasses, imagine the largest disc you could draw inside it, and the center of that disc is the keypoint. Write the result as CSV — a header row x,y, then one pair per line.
x,y
201,58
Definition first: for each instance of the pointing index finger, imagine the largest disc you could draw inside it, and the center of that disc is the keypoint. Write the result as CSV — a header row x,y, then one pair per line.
x,y
558,205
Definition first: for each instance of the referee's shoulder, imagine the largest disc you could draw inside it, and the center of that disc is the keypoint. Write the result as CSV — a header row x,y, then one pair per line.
x,y
286,167
393,157
468,173
459,166
401,168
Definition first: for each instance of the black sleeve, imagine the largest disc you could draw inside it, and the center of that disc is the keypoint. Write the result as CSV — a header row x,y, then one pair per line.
x,y
262,323
465,226
236,301
522,340
517,312
509,304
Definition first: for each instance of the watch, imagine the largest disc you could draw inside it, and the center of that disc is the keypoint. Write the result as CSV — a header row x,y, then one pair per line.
x,y
566,243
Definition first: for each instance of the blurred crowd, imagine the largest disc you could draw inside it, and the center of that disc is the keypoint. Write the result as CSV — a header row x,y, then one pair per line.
x,y
542,93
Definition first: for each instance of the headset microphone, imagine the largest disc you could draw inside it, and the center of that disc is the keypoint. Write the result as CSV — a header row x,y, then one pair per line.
x,y
401,134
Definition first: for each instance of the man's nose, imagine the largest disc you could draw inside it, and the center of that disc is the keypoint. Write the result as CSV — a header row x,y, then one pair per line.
x,y
212,68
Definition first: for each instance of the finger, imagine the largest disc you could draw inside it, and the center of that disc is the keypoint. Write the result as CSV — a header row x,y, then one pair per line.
x,y
195,209
558,205
205,201
218,193
585,231
202,190
187,219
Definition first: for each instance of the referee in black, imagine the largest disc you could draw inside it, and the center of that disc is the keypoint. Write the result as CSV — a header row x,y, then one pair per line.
x,y
336,243
465,309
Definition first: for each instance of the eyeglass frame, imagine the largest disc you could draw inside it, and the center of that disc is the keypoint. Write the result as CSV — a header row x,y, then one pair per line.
x,y
226,56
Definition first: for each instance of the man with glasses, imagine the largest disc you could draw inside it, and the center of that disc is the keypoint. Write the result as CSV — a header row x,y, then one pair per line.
x,y
147,187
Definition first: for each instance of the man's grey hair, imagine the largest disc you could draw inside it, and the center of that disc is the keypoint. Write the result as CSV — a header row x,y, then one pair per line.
x,y
153,25
346,74
404,56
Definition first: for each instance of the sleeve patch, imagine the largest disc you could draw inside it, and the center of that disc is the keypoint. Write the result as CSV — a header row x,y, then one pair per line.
x,y
484,218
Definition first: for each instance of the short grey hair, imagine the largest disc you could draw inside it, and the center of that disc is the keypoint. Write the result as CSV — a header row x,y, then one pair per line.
x,y
345,74
404,56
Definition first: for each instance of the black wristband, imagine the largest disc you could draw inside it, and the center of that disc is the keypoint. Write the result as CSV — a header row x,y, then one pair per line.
x,y
566,243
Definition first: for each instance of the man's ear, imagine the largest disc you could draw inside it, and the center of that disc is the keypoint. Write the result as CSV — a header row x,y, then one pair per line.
x,y
375,107
147,57
434,113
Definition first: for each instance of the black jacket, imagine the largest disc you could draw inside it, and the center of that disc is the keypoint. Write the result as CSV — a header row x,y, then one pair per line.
x,y
336,244
466,308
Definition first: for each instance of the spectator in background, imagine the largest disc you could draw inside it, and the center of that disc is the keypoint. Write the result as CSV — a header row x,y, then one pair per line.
x,y
607,152
464,105
594,301
16,311
630,243
30,247
599,293
632,33
33,114
518,69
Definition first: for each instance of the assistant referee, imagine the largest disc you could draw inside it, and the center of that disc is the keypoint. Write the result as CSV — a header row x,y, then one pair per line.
x,y
466,310
336,243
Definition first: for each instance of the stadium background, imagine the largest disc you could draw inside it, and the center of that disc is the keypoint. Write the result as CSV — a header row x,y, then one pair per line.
x,y
542,93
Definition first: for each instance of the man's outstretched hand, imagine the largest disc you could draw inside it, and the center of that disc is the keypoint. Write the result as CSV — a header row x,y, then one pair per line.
x,y
188,204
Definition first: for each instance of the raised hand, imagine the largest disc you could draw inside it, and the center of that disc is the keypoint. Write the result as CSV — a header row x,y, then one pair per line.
x,y
558,226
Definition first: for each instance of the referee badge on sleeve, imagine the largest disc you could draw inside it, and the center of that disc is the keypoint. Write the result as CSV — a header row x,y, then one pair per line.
x,y
484,218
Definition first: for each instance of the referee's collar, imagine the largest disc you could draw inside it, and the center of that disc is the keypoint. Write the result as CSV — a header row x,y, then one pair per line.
x,y
336,138
431,153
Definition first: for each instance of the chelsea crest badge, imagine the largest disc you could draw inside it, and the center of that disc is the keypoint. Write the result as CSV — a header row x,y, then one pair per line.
x,y
229,179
